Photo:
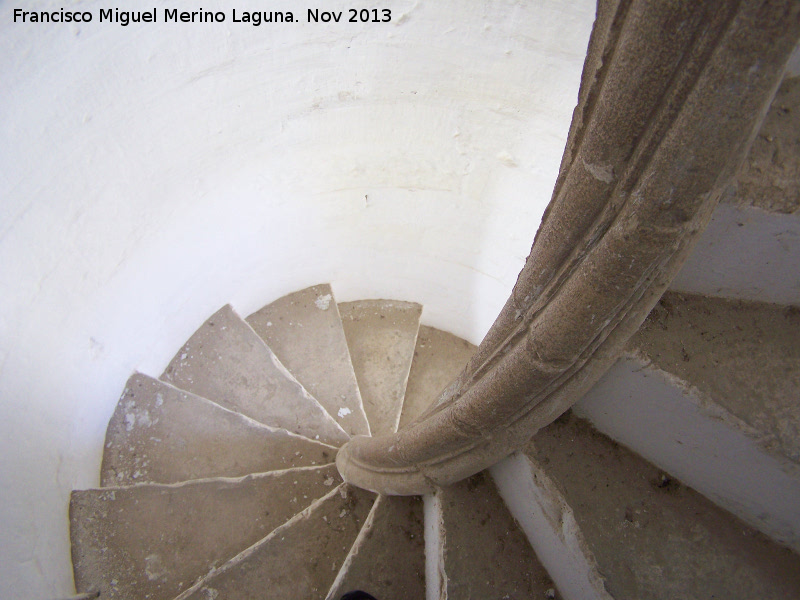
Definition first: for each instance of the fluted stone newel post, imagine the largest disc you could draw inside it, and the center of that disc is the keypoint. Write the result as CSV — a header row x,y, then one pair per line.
x,y
671,96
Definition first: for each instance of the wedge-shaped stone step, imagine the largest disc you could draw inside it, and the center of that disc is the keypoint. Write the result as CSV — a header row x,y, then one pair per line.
x,y
438,358
652,537
161,434
388,558
751,248
381,335
153,541
744,356
770,176
228,363
482,551
305,332
709,392
300,559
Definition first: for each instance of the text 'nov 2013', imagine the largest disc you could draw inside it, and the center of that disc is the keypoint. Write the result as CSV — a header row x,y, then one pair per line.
x,y
173,15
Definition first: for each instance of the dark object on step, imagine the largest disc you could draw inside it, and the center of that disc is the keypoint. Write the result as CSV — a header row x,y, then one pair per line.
x,y
357,595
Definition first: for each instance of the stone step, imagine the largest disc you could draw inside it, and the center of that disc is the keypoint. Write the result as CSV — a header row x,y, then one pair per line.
x,y
653,537
387,559
770,176
708,392
550,525
482,552
304,330
154,541
228,363
300,559
744,356
381,335
438,358
751,249
161,434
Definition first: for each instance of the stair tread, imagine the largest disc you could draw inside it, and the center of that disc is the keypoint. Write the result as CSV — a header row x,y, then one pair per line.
x,y
154,540
299,559
228,363
742,356
381,335
161,434
770,176
485,553
388,558
439,357
304,330
652,536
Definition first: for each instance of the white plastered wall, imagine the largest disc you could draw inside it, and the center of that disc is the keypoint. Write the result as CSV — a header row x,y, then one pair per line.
x,y
151,173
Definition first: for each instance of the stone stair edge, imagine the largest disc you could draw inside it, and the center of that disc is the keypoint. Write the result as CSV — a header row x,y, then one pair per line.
x,y
202,480
249,420
325,415
703,401
539,507
671,488
708,407
365,529
330,303
364,375
408,371
728,299
247,552
388,301
282,368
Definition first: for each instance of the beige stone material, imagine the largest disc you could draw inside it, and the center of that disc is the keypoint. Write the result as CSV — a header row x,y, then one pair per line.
x,y
381,335
533,499
770,176
388,557
485,554
439,357
744,356
304,330
670,100
153,541
226,362
654,538
299,559
161,434
671,424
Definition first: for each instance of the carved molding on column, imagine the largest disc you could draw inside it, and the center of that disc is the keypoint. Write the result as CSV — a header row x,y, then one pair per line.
x,y
671,96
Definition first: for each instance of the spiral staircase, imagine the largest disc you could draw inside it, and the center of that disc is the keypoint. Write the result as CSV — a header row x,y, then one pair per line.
x,y
218,478
676,476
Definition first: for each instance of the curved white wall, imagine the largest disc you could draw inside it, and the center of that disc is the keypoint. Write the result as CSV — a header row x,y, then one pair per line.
x,y
151,173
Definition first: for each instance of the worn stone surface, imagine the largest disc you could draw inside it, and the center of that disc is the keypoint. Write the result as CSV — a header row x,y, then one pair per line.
x,y
305,332
544,515
654,538
670,98
388,558
153,541
381,335
485,553
770,176
743,356
161,434
298,560
696,440
438,358
226,362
